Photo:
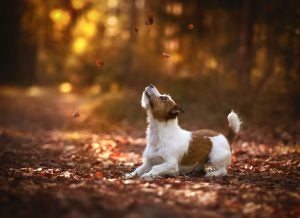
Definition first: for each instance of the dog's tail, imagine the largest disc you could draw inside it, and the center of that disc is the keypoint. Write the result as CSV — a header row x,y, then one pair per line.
x,y
234,126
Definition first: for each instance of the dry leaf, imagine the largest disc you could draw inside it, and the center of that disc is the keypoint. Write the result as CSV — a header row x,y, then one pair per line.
x,y
165,55
149,20
75,114
99,62
191,26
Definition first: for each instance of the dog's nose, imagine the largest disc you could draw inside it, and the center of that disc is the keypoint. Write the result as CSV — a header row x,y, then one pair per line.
x,y
151,86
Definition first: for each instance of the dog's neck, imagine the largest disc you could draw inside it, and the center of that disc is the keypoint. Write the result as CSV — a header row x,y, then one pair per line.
x,y
158,130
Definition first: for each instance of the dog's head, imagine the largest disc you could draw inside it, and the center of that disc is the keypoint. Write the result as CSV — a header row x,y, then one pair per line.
x,y
162,107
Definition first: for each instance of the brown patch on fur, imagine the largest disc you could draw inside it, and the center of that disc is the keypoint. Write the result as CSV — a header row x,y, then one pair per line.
x,y
199,148
163,108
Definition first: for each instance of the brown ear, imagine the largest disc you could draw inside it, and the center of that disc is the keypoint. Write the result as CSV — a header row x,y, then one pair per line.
x,y
177,109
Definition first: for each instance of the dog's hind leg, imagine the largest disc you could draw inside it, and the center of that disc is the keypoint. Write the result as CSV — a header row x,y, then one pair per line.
x,y
220,156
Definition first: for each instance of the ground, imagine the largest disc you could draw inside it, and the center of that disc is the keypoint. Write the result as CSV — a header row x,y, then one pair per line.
x,y
53,164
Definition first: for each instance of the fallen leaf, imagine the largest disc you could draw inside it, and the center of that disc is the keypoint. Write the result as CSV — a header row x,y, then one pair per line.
x,y
149,20
99,62
165,55
75,114
191,26
98,175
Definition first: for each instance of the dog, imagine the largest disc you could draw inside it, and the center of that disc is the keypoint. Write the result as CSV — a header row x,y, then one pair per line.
x,y
171,150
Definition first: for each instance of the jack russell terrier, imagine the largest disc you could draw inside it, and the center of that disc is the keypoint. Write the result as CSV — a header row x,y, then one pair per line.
x,y
172,150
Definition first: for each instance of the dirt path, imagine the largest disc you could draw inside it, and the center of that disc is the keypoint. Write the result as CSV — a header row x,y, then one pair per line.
x,y
54,165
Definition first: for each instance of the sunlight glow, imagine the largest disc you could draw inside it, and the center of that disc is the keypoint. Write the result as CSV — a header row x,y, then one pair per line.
x,y
85,28
79,45
112,20
112,3
65,87
61,18
78,4
172,45
95,89
93,15
175,8
34,91
211,63
176,58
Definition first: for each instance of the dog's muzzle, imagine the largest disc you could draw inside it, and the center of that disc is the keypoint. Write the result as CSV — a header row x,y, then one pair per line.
x,y
151,90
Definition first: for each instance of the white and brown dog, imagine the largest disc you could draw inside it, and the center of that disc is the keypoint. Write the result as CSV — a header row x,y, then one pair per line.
x,y
172,150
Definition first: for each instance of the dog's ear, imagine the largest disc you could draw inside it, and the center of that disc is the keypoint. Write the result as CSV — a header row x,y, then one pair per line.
x,y
177,109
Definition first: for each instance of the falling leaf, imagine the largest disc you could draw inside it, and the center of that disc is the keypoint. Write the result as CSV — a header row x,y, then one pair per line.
x,y
98,175
165,55
149,20
99,62
191,26
136,30
75,114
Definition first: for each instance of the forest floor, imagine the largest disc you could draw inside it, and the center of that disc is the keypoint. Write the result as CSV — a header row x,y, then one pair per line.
x,y
56,165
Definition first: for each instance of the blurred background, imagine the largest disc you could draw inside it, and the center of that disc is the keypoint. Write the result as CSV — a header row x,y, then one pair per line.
x,y
223,55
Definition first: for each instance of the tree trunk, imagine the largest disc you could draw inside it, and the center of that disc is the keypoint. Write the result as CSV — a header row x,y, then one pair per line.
x,y
17,55
129,53
246,43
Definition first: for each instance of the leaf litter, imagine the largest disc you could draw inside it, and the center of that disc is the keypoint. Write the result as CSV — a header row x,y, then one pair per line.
x,y
83,175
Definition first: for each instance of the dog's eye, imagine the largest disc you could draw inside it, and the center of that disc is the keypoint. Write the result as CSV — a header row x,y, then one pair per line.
x,y
163,98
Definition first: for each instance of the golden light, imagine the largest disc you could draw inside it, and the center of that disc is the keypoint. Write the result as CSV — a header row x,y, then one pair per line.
x,y
93,15
95,89
112,21
177,9
78,4
172,45
211,63
85,28
112,3
114,88
65,87
79,45
176,58
34,91
90,29
60,17
174,8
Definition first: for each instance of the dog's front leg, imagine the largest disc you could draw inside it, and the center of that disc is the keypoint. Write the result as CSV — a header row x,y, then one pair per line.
x,y
144,168
169,167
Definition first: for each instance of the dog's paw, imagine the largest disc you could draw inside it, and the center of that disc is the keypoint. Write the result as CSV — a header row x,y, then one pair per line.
x,y
130,175
219,172
149,176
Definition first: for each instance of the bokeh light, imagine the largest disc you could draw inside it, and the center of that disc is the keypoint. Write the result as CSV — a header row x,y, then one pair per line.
x,y
65,87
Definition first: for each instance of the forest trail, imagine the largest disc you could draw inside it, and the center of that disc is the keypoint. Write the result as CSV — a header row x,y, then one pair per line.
x,y
56,165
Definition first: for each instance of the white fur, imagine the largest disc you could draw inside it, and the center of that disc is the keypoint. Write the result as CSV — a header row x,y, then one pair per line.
x,y
145,100
167,142
234,121
220,155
